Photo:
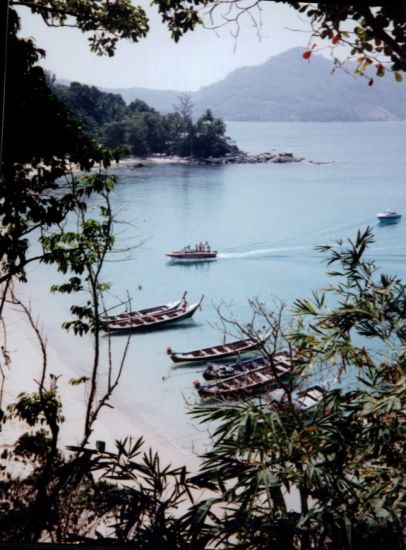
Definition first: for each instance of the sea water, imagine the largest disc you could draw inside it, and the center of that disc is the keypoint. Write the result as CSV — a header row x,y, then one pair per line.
x,y
265,221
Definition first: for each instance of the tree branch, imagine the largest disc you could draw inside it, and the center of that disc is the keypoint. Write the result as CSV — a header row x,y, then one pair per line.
x,y
382,34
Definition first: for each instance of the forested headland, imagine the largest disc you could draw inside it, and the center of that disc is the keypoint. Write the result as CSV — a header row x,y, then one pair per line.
x,y
140,130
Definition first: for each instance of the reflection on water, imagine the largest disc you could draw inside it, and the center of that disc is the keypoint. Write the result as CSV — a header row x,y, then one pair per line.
x,y
185,324
196,263
261,252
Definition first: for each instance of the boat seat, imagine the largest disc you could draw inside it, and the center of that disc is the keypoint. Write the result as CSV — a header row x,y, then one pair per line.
x,y
284,362
262,376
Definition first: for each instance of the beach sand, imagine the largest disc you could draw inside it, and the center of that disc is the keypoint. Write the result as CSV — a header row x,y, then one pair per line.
x,y
139,162
22,375
24,372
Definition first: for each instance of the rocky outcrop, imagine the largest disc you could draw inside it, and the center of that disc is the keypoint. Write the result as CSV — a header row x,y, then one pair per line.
x,y
237,158
245,158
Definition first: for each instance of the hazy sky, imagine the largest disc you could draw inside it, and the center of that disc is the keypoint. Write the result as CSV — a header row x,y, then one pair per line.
x,y
199,59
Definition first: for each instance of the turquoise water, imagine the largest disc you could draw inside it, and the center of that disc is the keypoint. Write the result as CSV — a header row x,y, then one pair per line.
x,y
264,220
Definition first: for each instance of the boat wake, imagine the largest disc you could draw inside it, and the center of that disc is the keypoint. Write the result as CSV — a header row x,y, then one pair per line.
x,y
260,252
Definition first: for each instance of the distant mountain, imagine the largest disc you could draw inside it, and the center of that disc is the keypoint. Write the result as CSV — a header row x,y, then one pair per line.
x,y
288,88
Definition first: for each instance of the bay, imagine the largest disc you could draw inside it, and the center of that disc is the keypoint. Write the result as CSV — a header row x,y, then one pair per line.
x,y
264,219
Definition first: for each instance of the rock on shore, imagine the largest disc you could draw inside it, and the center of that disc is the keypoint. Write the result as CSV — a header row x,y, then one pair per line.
x,y
237,158
245,158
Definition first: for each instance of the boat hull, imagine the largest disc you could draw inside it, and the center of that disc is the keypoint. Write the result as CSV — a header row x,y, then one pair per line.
x,y
254,382
389,221
389,217
217,352
147,323
192,256
156,310
230,369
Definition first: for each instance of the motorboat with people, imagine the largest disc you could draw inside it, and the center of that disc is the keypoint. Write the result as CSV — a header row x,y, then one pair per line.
x,y
389,216
201,251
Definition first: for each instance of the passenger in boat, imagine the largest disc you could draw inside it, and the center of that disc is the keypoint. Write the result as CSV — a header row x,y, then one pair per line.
x,y
201,390
207,246
210,373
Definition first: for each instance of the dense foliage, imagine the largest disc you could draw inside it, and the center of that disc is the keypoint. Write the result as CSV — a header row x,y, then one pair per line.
x,y
140,129
41,144
375,34
343,455
108,21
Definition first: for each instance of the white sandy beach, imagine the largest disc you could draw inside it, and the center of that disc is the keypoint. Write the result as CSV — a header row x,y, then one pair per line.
x,y
129,162
24,372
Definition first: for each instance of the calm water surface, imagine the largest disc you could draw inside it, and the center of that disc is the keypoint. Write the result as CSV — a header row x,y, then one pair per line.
x,y
264,220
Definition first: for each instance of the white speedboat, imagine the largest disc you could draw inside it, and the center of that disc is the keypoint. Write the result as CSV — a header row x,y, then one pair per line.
x,y
389,216
200,252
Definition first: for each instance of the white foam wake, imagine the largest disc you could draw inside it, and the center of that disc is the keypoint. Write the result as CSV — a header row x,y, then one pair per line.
x,y
260,252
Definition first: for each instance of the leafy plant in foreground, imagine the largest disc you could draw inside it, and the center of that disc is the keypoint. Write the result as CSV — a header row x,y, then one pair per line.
x,y
342,458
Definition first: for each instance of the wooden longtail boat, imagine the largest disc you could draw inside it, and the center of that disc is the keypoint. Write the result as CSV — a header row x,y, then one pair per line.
x,y
304,398
155,310
246,383
213,372
218,352
153,321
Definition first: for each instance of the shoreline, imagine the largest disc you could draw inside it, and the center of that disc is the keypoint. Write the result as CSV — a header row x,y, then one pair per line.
x,y
110,425
272,156
22,375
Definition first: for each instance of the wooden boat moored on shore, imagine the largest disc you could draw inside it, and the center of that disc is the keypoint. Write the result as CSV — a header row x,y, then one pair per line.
x,y
246,383
304,398
155,310
218,352
153,321
216,372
